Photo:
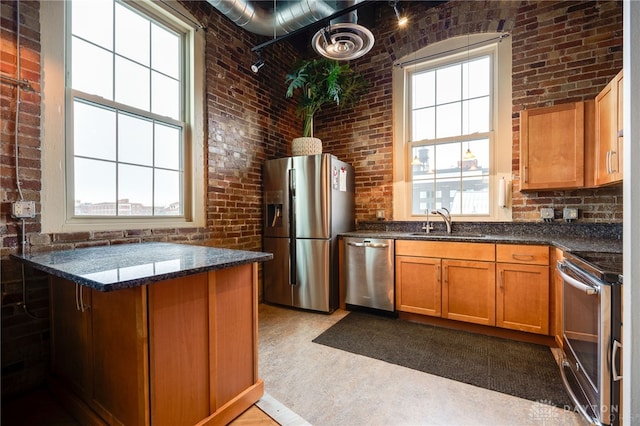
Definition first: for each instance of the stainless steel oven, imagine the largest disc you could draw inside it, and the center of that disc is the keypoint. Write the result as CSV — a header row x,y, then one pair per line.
x,y
591,308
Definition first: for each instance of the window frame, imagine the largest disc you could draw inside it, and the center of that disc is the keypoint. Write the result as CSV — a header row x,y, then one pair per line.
x,y
439,63
450,51
57,211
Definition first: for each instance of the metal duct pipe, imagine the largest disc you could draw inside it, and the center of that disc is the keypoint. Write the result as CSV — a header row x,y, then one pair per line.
x,y
292,17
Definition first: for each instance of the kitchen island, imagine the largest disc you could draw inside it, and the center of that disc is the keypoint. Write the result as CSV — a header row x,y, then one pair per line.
x,y
153,333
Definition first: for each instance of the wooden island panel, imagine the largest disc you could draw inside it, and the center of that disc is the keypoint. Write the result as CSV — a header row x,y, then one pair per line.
x,y
178,352
120,360
179,337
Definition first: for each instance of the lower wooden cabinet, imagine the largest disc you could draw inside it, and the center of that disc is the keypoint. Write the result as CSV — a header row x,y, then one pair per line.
x,y
469,291
418,285
98,349
555,311
503,285
453,287
183,351
522,293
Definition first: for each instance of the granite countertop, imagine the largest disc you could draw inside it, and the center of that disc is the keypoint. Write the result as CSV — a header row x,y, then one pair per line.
x,y
564,242
108,268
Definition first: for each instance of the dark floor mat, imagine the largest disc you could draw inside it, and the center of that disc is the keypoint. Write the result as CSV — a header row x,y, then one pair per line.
x,y
521,369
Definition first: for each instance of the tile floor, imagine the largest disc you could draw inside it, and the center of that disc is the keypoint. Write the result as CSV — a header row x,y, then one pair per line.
x,y
328,387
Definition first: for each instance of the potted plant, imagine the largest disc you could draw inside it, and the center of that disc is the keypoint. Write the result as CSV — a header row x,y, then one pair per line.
x,y
318,82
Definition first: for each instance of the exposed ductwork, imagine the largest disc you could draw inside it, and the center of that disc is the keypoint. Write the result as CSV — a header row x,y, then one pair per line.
x,y
342,39
290,17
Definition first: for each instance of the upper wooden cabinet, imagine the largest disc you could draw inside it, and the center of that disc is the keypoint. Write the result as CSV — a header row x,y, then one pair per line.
x,y
609,137
552,147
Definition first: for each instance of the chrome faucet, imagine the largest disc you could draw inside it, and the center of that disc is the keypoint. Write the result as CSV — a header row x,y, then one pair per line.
x,y
446,216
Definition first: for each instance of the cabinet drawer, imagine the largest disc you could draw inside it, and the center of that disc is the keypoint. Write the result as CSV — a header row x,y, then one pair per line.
x,y
532,255
464,251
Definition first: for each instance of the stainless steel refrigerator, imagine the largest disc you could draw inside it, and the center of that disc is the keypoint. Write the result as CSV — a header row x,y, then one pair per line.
x,y
307,200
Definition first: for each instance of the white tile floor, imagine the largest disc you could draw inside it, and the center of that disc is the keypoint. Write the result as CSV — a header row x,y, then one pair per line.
x,y
327,387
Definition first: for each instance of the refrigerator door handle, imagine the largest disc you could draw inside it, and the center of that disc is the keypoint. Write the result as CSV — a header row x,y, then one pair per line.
x,y
292,227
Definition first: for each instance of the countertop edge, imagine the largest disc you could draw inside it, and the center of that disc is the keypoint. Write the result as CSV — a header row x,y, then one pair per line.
x,y
564,243
244,257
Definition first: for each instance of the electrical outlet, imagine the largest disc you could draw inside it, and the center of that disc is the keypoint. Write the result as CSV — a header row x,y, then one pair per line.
x,y
23,209
569,214
546,214
380,214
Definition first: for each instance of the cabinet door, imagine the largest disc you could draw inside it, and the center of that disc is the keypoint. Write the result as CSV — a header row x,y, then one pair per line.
x,y
552,147
120,356
469,291
555,294
608,150
618,81
418,288
522,300
71,335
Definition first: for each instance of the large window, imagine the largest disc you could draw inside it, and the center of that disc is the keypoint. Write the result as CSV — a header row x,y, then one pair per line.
x,y
123,117
450,110
447,154
126,92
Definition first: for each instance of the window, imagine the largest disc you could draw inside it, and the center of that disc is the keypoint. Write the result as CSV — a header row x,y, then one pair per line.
x,y
125,108
448,152
132,107
450,111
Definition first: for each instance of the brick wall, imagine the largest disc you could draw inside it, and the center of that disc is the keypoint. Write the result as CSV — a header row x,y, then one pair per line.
x,y
247,121
563,51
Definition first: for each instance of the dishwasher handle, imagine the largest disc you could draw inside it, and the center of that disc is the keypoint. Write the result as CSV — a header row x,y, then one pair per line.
x,y
366,243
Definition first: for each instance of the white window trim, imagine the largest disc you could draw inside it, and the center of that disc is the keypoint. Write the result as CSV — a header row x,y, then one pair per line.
x,y
53,195
502,134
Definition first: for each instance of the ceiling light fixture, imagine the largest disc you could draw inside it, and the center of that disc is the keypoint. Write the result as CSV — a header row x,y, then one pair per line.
x,y
402,20
255,67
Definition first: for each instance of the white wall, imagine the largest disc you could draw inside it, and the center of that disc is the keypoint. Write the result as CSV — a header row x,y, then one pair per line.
x,y
631,233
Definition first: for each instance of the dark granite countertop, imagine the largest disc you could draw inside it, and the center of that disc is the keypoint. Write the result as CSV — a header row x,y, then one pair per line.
x,y
568,237
108,268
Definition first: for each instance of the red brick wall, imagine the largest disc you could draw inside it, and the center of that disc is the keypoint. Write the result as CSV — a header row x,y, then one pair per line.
x,y
562,51
247,121
25,342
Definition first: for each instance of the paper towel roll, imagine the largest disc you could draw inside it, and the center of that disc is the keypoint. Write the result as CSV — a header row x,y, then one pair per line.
x,y
502,193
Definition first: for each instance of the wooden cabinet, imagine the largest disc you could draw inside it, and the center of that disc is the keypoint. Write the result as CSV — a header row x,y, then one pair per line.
x,y
71,331
182,351
98,349
522,294
552,143
555,311
609,133
451,280
469,291
418,285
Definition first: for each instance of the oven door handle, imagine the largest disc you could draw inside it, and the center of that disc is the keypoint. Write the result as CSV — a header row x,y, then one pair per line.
x,y
614,365
575,283
564,364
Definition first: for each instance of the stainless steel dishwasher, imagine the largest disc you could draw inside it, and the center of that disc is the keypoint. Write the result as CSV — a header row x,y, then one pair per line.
x,y
369,273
